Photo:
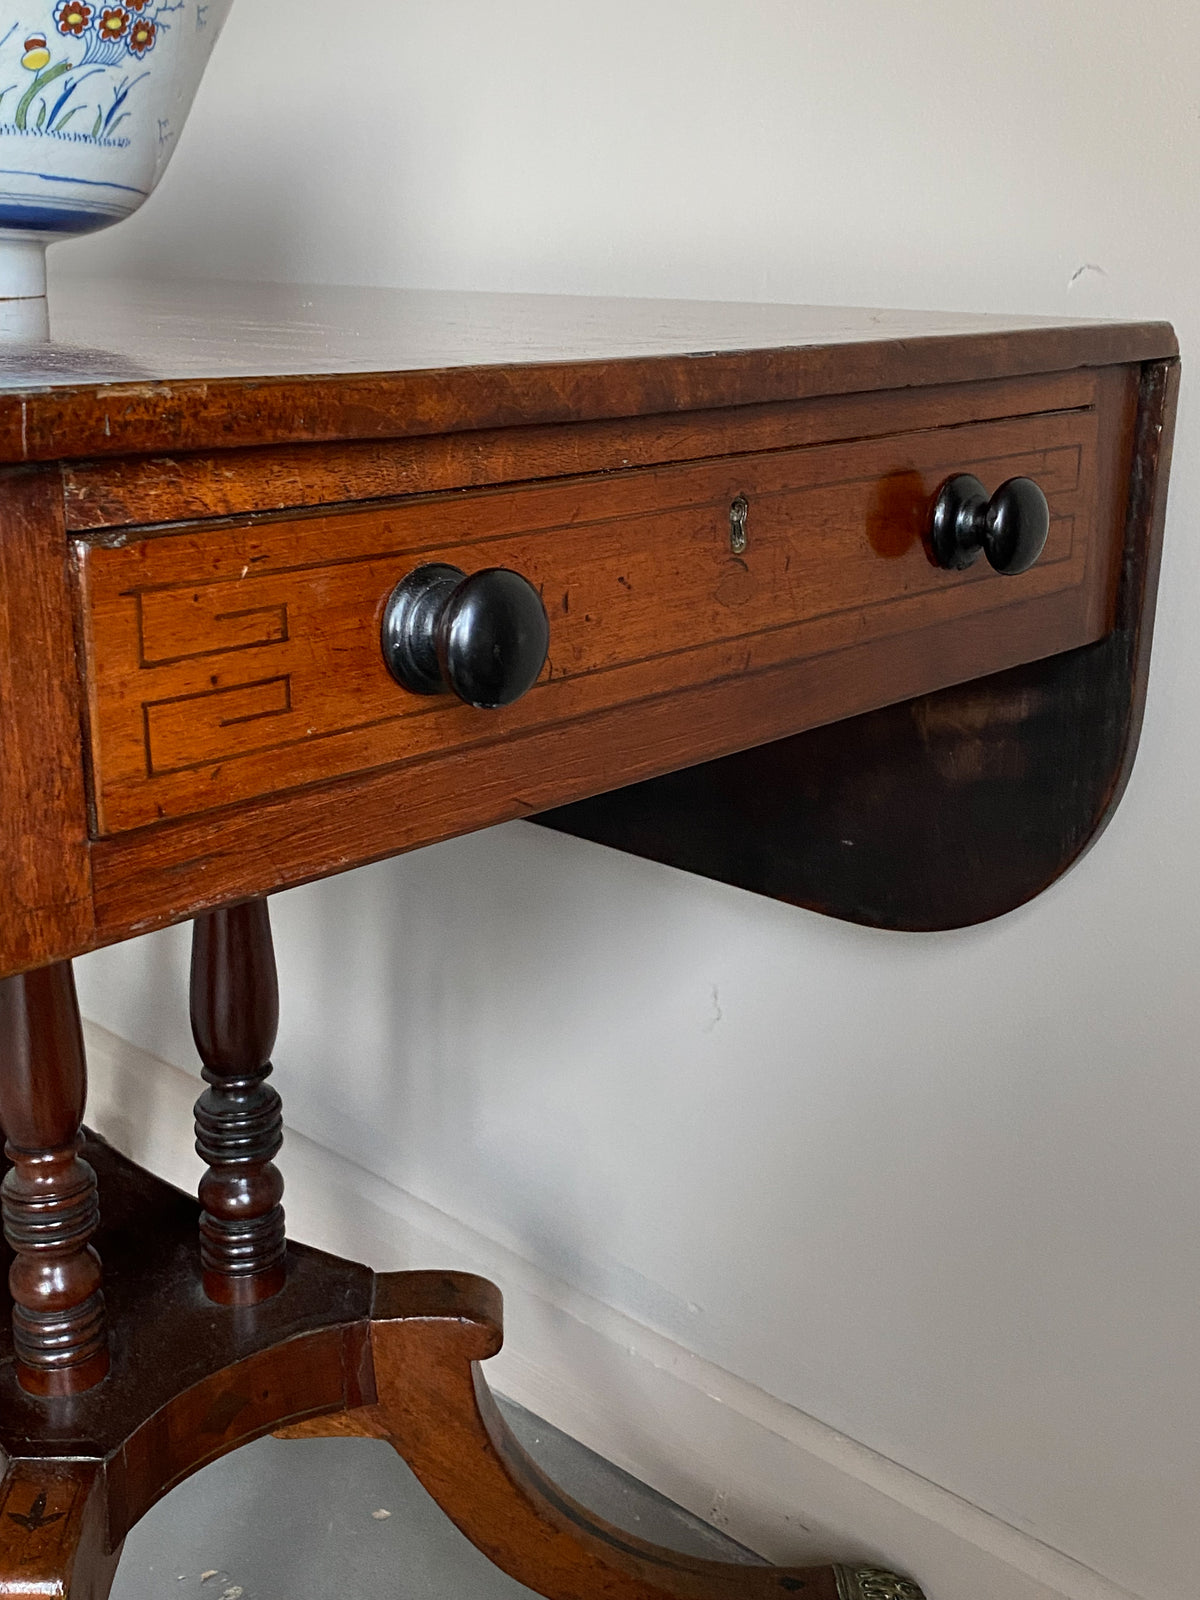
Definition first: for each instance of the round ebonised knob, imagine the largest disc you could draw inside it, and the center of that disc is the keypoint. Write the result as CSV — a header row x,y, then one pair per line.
x,y
483,638
1010,528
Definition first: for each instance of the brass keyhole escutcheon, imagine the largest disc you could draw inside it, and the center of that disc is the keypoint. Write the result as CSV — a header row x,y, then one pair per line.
x,y
739,511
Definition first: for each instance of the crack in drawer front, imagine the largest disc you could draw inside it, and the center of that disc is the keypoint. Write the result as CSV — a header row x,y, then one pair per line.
x,y
232,660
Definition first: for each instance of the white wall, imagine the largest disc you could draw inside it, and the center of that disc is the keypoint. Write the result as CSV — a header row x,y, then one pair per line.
x,y
940,1192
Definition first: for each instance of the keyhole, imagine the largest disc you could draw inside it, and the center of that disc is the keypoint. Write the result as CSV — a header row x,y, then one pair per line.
x,y
738,512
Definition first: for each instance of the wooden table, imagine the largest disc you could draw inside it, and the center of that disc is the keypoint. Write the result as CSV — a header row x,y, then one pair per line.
x,y
665,575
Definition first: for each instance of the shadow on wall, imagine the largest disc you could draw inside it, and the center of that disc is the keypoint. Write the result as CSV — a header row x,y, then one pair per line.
x,y
422,978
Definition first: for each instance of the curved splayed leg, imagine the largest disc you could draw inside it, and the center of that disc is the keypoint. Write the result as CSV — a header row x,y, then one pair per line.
x,y
429,1332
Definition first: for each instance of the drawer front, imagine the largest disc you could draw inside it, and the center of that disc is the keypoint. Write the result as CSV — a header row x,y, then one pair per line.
x,y
230,661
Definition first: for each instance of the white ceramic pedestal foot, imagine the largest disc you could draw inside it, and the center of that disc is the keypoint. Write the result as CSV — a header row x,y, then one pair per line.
x,y
22,268
24,322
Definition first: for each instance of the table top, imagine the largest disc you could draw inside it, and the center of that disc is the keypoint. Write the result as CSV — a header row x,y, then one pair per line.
x,y
144,366
184,427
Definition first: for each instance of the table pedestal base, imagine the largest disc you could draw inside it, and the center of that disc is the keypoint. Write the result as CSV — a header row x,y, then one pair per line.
x,y
337,1350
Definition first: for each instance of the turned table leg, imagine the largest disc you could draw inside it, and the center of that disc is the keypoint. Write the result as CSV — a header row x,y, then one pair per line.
x,y
49,1198
239,1119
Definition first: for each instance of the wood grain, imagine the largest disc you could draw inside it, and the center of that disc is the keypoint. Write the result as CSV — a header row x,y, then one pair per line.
x,y
399,404
946,810
51,1209
235,661
189,1380
234,1005
338,1351
53,1532
152,368
125,491
429,1333
247,737
157,875
45,884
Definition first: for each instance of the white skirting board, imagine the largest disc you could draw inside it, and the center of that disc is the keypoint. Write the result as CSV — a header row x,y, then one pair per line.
x,y
779,1481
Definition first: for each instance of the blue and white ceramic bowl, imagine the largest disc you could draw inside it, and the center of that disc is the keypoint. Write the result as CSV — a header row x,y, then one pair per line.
x,y
93,97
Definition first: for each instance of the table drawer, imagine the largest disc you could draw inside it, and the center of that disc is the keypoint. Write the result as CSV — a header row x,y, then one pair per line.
x,y
237,659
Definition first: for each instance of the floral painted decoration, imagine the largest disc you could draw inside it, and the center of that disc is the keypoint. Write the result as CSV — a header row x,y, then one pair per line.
x,y
113,23
36,55
100,39
73,17
141,36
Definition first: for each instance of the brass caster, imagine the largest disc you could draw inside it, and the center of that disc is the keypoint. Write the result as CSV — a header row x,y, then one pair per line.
x,y
872,1583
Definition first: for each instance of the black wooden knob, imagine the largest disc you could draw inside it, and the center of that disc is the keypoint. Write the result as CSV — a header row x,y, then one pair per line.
x,y
483,638
1010,528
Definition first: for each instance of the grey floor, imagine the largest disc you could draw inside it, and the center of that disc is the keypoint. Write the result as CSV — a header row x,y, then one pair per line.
x,y
344,1519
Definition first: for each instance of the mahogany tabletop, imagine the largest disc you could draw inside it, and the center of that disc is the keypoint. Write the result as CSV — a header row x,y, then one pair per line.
x,y
136,367
302,450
